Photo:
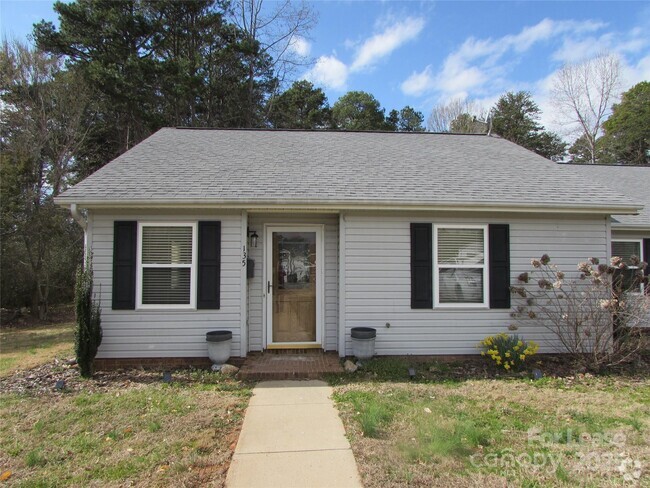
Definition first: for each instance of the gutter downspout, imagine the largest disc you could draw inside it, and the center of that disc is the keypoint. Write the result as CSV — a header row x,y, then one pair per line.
x,y
83,223
76,214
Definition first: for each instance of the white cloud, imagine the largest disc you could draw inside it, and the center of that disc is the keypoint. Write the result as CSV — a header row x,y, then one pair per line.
x,y
300,46
574,50
382,44
478,62
418,83
329,72
638,73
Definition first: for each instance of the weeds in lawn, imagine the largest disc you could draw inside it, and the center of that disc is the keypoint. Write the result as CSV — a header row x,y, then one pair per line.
x,y
441,438
144,434
372,413
35,458
500,432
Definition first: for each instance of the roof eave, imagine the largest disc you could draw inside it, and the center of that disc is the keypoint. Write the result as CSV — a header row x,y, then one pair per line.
x,y
631,227
518,207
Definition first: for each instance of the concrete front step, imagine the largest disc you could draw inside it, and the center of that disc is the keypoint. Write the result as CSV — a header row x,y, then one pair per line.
x,y
289,366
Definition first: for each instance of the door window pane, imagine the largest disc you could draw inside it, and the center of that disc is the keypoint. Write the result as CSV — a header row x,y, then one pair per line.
x,y
294,286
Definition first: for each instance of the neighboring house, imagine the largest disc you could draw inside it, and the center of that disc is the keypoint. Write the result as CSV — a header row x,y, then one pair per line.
x,y
291,238
630,234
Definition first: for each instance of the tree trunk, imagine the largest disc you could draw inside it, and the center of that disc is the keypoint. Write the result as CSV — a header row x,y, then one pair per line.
x,y
39,308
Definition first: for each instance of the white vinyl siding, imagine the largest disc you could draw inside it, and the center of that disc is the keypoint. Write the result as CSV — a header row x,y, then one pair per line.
x,y
377,278
256,285
460,266
173,332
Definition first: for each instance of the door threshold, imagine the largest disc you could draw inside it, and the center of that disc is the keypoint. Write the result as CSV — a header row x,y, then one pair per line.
x,y
296,345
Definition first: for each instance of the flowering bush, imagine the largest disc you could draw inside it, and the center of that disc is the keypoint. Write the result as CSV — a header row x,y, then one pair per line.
x,y
508,351
595,313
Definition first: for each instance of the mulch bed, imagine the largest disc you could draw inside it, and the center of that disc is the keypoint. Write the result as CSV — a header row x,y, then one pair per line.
x,y
42,380
430,368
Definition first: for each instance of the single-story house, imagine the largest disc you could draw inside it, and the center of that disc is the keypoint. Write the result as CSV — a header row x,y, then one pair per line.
x,y
630,233
291,238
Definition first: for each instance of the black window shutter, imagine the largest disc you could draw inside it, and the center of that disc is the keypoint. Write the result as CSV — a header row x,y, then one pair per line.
x,y
499,249
125,255
421,265
209,266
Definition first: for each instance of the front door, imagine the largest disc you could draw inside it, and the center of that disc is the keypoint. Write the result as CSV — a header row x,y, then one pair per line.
x,y
293,285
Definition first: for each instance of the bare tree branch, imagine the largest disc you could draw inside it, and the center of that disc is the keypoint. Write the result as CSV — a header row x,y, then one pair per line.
x,y
583,94
443,115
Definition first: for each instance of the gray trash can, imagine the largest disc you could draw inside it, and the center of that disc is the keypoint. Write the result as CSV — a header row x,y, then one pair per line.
x,y
363,342
219,342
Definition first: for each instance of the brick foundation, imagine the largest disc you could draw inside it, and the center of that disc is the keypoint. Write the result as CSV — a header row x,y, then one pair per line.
x,y
109,364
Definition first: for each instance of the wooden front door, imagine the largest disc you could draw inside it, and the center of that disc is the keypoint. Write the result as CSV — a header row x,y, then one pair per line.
x,y
292,287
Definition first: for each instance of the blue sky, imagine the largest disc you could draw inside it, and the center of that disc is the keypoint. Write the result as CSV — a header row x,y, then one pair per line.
x,y
424,53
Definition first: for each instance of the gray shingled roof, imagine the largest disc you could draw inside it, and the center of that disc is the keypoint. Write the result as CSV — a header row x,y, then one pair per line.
x,y
629,180
176,166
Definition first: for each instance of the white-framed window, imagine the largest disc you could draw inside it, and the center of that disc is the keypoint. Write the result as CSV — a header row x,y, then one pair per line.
x,y
167,258
625,249
460,265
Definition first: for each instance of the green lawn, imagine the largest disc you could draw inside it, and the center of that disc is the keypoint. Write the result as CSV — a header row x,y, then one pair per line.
x,y
119,429
495,432
28,347
153,434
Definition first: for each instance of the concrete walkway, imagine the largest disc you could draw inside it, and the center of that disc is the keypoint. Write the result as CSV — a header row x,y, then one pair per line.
x,y
292,437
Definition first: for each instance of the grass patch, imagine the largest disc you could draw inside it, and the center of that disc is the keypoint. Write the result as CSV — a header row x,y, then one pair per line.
x,y
144,434
35,459
371,412
493,432
438,439
28,347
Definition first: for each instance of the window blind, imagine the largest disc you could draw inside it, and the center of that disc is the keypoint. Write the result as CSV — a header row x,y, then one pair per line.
x,y
166,245
626,250
166,265
460,246
461,265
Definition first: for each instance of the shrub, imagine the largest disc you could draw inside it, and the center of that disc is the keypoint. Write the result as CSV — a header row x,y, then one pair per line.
x,y
88,332
508,351
595,314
